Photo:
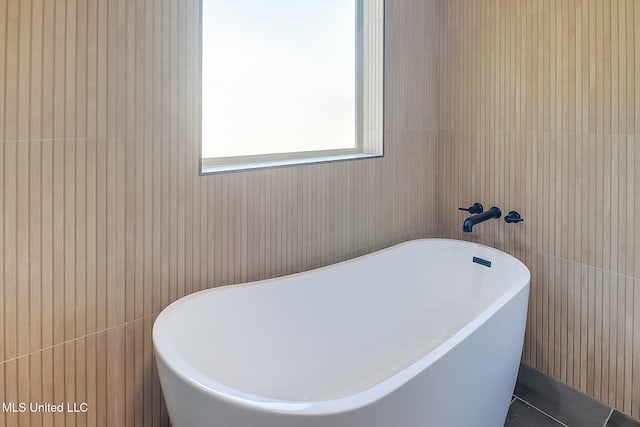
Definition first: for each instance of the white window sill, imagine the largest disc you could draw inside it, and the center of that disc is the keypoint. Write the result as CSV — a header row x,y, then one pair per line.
x,y
239,167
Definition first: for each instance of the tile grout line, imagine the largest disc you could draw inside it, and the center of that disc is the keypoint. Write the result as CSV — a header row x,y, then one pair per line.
x,y
69,341
541,411
333,260
536,251
608,417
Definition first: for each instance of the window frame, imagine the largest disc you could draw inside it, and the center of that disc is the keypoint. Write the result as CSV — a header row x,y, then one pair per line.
x,y
361,151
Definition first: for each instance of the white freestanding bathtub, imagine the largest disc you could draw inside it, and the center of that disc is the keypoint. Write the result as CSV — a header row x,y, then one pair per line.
x,y
418,334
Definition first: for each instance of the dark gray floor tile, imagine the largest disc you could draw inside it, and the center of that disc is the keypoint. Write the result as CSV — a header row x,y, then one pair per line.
x,y
618,419
523,415
558,400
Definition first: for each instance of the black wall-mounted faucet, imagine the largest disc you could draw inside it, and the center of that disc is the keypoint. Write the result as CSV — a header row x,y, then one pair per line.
x,y
493,212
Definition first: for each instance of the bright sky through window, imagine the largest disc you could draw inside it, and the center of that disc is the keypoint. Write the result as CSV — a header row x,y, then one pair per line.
x,y
278,76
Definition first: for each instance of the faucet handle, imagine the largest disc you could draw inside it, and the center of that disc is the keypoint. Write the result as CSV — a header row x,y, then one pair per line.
x,y
513,216
476,208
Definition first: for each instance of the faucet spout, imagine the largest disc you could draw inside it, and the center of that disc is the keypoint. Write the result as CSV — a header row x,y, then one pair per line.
x,y
468,224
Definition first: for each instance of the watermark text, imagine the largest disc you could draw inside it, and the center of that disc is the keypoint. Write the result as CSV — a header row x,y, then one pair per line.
x,y
44,407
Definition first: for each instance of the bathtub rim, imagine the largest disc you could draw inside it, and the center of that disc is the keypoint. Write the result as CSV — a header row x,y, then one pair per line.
x,y
190,375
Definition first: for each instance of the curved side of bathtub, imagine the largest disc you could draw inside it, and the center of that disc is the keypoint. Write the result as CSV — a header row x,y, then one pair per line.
x,y
475,370
481,384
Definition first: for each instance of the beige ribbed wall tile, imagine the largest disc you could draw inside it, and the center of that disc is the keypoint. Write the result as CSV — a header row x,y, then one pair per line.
x,y
35,240
110,371
553,180
105,220
12,17
635,355
557,142
9,283
3,68
85,69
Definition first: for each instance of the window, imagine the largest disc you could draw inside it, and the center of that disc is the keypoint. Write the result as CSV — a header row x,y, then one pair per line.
x,y
290,82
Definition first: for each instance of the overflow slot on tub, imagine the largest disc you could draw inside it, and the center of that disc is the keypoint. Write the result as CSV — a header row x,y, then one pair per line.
x,y
482,261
